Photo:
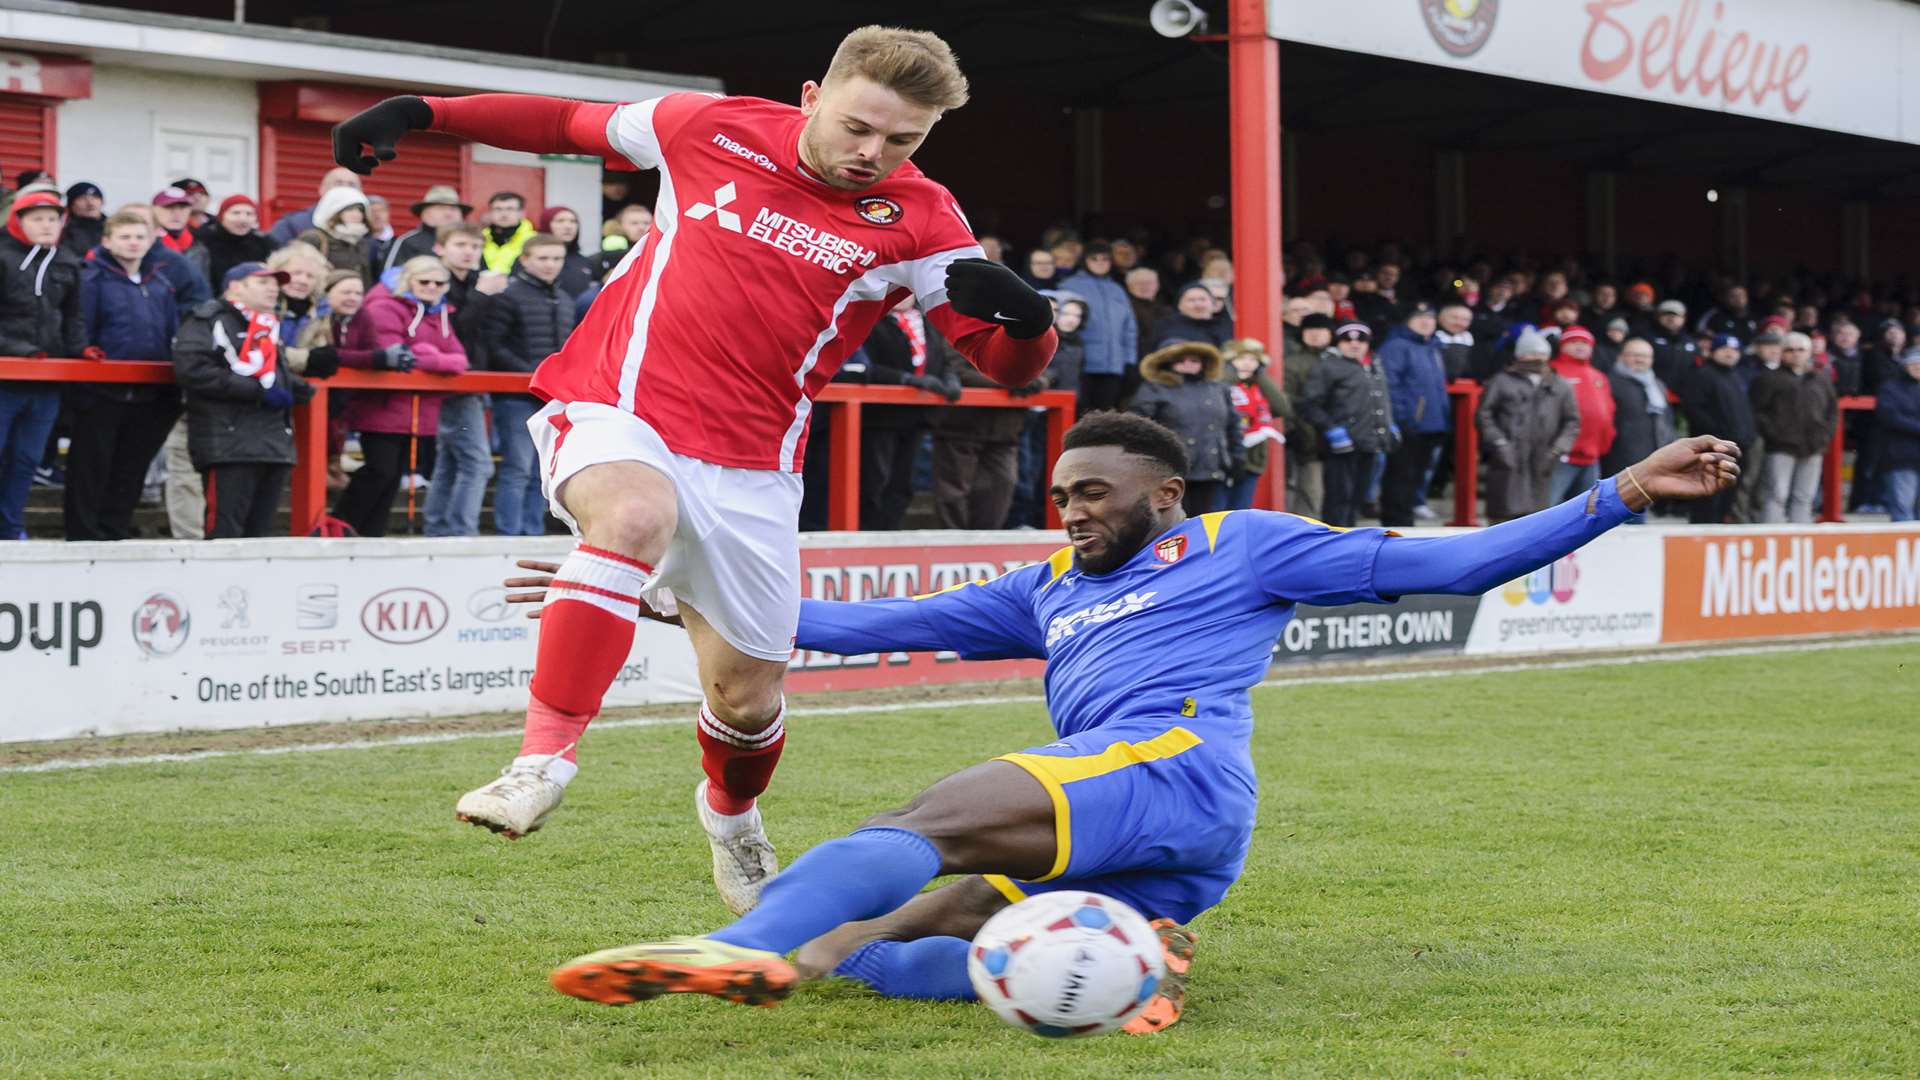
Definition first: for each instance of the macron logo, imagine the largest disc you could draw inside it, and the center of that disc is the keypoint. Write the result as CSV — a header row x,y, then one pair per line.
x,y
754,156
726,219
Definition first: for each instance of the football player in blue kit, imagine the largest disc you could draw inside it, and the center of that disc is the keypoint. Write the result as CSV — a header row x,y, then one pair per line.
x,y
1148,793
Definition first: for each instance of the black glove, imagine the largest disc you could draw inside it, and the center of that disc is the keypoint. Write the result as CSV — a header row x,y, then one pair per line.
x,y
1030,389
396,357
987,290
946,388
379,127
322,361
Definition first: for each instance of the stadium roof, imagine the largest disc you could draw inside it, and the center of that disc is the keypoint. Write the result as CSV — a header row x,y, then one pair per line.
x,y
1101,53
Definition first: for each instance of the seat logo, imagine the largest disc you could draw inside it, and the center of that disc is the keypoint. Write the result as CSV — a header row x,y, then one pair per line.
x,y
722,197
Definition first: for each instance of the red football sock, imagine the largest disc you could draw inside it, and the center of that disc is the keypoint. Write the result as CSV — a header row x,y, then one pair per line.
x,y
739,765
551,729
586,632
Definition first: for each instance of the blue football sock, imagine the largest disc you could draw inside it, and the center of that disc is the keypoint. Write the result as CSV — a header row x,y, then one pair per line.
x,y
927,969
860,876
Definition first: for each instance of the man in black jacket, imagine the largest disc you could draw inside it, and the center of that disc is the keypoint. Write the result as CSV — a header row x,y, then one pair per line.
x,y
1731,317
1642,416
1675,356
1347,401
227,360
437,209
462,452
1716,404
86,219
903,349
39,316
527,324
1795,411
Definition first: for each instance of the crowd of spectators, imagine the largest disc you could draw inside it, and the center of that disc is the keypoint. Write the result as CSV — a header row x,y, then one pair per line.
x,y
1580,374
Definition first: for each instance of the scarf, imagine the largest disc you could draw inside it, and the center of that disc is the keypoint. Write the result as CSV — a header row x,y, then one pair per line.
x,y
911,324
179,243
258,355
1656,394
1255,414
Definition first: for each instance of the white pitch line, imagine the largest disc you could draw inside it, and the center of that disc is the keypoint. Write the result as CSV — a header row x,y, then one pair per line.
x,y
65,764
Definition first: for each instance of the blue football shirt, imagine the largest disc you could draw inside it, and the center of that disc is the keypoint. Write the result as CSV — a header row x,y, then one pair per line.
x,y
1183,629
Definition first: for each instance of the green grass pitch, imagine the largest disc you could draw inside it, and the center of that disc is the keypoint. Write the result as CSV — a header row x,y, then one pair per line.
x,y
1697,868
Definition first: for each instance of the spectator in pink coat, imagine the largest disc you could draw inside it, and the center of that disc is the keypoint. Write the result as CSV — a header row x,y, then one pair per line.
x,y
406,323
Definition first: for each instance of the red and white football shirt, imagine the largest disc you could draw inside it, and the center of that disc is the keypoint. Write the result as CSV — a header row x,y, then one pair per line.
x,y
755,283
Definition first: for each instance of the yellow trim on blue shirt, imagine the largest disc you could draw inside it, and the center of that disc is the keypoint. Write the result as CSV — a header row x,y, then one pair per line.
x,y
1005,887
1058,564
1211,523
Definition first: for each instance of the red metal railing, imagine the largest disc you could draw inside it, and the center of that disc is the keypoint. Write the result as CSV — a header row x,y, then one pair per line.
x,y
847,399
309,498
1832,501
1466,451
844,400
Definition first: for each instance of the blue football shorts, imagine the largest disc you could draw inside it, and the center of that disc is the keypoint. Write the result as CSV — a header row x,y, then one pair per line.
x,y
1146,811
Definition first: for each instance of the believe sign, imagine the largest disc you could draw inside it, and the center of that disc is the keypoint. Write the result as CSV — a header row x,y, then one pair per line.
x,y
1836,65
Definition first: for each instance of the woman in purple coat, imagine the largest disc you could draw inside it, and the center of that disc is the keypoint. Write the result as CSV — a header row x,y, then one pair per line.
x,y
405,323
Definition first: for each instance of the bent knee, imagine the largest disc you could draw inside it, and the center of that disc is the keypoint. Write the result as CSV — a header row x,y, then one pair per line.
x,y
959,842
627,522
748,705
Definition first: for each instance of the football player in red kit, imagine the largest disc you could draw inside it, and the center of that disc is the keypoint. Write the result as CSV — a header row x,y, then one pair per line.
x,y
676,417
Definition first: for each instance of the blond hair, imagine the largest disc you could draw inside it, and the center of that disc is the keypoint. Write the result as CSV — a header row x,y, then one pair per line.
x,y
126,217
294,252
915,64
320,329
420,264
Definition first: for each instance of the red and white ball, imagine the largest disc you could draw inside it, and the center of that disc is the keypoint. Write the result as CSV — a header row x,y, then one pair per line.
x,y
1063,964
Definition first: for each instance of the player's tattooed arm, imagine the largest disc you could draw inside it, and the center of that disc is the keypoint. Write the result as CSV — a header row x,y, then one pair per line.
x,y
543,576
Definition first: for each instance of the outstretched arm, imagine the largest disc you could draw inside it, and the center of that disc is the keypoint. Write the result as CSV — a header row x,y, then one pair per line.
x,y
527,122
1472,563
537,125
978,620
1300,561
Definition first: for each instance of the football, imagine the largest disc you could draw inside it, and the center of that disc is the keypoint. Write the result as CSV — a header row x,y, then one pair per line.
x,y
1066,963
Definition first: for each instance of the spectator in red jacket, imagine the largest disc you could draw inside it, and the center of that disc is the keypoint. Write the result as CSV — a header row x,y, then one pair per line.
x,y
1591,391
397,330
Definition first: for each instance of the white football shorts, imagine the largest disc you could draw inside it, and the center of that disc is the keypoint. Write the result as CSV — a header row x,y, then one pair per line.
x,y
735,555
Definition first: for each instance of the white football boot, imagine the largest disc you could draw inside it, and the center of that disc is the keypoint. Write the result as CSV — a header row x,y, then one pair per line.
x,y
743,858
521,799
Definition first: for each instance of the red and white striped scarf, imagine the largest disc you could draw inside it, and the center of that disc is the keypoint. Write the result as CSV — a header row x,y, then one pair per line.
x,y
258,355
912,324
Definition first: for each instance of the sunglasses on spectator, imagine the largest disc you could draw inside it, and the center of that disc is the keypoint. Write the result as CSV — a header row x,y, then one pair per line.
x,y
432,281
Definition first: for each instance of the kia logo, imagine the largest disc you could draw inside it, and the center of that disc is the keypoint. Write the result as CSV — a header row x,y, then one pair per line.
x,y
405,616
